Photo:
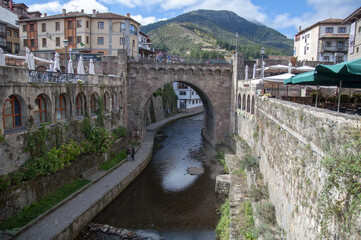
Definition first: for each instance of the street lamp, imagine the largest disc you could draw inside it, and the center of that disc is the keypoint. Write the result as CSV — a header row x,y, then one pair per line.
x,y
262,52
236,42
65,41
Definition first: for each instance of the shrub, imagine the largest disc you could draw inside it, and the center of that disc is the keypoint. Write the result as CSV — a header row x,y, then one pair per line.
x,y
119,132
345,98
266,212
250,162
222,229
5,182
258,193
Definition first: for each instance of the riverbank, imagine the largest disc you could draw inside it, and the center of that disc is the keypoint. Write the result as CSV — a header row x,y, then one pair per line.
x,y
68,218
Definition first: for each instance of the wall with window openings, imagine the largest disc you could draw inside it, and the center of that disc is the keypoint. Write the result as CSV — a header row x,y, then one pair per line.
x,y
26,106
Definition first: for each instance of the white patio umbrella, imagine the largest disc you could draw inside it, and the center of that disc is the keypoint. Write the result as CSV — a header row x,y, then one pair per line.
x,y
304,69
2,57
277,68
70,66
289,67
56,62
246,73
277,79
29,58
263,68
80,67
91,67
254,71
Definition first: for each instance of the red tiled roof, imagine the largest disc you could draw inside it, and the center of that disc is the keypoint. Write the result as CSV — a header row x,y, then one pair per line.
x,y
327,21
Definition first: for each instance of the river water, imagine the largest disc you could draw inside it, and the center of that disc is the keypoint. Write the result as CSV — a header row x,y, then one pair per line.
x,y
165,202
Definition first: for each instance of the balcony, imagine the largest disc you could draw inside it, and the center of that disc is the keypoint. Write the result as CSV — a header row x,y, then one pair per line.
x,y
334,48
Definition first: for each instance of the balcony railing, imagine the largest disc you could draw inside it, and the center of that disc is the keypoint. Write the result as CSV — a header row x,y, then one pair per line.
x,y
55,77
334,48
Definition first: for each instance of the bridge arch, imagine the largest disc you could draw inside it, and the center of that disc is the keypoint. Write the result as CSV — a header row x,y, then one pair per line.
x,y
213,84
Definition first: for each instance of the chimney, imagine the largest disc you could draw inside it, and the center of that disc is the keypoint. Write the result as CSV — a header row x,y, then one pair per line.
x,y
64,12
82,11
94,13
299,28
128,15
45,14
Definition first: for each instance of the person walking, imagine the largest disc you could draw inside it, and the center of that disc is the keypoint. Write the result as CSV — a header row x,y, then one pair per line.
x,y
133,153
128,153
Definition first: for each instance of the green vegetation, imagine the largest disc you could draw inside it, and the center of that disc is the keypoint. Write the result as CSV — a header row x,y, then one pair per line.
x,y
247,221
113,161
220,156
2,138
206,29
158,92
266,212
249,162
119,133
258,193
222,229
169,98
340,199
37,208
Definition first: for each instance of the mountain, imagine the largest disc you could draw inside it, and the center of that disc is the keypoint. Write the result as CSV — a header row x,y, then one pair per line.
x,y
206,29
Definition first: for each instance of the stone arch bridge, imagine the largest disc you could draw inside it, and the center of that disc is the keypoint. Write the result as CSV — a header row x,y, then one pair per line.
x,y
215,85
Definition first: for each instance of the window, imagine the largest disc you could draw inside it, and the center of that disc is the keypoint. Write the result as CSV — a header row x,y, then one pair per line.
x,y
357,49
78,39
328,44
57,41
79,107
43,42
25,28
106,102
12,113
133,29
16,47
2,29
70,40
329,30
57,26
304,51
122,27
100,25
25,42
16,33
93,103
32,42
326,58
78,23
339,45
100,40
182,93
40,110
9,47
339,59
70,24
359,29
43,27
8,32
122,41
3,43
341,29
61,107
31,27
87,24
87,39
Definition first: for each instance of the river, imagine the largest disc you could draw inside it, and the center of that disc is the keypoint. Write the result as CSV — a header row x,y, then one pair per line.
x,y
165,202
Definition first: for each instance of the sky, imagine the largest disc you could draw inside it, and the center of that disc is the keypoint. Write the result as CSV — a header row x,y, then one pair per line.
x,y
284,16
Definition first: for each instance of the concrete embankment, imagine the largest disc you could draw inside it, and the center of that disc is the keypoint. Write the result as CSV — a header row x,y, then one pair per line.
x,y
68,218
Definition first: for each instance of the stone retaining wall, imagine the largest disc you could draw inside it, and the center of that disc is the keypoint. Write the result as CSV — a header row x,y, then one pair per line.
x,y
291,140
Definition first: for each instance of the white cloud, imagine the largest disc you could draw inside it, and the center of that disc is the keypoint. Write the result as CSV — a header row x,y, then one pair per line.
x,y
73,5
146,20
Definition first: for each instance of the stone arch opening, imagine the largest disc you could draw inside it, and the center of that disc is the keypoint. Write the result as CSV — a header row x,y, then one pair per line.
x,y
209,117
63,106
94,103
106,102
252,105
239,101
42,109
14,113
80,105
114,101
244,102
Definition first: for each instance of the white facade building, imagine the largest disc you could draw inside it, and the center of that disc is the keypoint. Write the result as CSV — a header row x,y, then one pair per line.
x,y
188,99
325,41
355,34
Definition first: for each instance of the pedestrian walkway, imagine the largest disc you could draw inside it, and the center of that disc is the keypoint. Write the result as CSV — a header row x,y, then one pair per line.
x,y
69,217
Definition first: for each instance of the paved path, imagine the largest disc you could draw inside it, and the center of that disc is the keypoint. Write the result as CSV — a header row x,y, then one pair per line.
x,y
84,203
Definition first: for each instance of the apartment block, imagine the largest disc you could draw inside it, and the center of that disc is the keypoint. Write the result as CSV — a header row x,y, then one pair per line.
x,y
103,33
325,41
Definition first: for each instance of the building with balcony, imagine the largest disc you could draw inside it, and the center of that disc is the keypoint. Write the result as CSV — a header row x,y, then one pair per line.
x,y
10,13
188,99
103,33
354,19
324,41
144,46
